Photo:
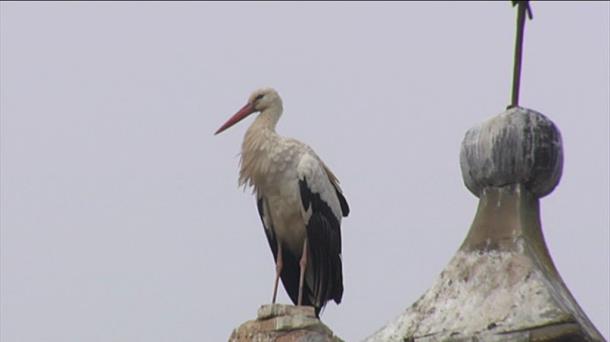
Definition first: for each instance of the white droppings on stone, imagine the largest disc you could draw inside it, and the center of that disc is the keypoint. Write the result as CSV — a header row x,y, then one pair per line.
x,y
478,292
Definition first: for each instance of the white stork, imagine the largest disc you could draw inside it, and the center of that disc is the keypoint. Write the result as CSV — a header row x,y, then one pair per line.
x,y
299,202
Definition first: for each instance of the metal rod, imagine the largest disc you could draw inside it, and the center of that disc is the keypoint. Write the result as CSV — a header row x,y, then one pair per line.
x,y
522,8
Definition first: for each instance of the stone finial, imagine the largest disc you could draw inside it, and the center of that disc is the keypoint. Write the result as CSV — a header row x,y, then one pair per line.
x,y
519,146
501,285
284,323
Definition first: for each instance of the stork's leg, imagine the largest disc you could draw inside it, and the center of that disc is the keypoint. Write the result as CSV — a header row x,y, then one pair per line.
x,y
279,263
303,264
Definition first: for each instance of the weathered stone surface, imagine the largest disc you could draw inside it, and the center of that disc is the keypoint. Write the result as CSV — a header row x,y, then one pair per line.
x,y
500,286
519,146
284,323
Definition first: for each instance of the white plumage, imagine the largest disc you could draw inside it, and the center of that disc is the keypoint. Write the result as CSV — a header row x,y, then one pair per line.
x,y
299,201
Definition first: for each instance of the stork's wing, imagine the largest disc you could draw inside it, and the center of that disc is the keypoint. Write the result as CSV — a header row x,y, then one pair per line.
x,y
323,205
263,212
335,182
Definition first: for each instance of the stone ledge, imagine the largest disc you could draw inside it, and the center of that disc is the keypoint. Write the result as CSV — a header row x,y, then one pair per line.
x,y
284,323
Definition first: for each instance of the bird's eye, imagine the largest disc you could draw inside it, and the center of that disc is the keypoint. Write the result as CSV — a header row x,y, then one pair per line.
x,y
259,97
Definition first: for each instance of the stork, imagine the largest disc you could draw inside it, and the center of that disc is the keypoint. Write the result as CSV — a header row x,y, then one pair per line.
x,y
299,201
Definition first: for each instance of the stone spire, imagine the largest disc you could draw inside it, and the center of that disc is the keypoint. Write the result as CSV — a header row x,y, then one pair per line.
x,y
501,285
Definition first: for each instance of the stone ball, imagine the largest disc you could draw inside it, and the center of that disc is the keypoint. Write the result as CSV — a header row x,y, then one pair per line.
x,y
519,145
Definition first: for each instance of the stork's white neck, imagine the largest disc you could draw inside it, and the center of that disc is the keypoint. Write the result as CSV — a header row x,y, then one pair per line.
x,y
268,118
258,143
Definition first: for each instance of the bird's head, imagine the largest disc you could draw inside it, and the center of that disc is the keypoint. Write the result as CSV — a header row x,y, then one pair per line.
x,y
260,100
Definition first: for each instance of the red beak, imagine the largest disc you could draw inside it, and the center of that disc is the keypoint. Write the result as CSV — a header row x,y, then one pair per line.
x,y
245,111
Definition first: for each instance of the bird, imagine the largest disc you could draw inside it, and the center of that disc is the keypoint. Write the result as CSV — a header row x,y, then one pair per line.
x,y
299,201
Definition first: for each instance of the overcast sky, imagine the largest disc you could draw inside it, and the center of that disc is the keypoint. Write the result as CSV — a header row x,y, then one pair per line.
x,y
121,216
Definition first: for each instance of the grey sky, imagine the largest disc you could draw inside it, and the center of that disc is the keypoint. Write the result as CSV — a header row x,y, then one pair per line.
x,y
121,217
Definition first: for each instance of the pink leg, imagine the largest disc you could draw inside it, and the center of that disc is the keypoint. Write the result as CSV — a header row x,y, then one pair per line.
x,y
278,270
303,264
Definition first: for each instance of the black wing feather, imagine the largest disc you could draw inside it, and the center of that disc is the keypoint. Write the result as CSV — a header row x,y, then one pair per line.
x,y
324,235
269,232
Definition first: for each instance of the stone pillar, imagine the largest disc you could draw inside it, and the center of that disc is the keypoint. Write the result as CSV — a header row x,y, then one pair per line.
x,y
284,323
501,285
